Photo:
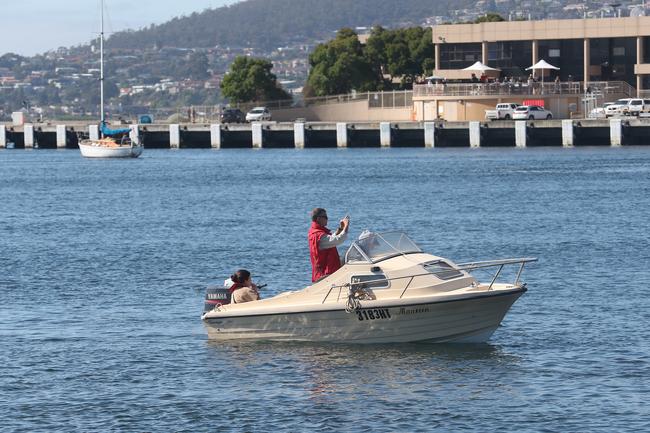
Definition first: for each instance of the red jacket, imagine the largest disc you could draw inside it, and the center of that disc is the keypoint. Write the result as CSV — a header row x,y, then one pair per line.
x,y
323,262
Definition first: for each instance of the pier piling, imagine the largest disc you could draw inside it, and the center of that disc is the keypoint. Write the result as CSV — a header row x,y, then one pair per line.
x,y
616,132
257,135
474,134
568,136
384,134
299,135
134,134
28,131
61,136
174,136
341,134
215,136
520,133
429,135
93,132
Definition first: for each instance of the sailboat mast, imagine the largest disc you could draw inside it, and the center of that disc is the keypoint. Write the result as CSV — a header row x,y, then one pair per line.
x,y
101,65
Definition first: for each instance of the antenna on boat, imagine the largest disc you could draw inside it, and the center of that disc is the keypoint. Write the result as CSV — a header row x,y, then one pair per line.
x,y
101,69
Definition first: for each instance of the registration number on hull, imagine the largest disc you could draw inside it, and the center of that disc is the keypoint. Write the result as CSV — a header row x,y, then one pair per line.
x,y
373,314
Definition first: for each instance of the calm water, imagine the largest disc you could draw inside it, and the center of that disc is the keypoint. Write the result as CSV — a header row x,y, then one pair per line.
x,y
104,265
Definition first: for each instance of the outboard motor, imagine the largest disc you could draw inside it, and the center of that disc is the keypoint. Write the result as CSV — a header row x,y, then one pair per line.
x,y
216,295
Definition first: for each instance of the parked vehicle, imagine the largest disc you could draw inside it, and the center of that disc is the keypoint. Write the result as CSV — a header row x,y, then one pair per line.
x,y
502,111
599,112
531,112
636,106
232,115
258,114
616,108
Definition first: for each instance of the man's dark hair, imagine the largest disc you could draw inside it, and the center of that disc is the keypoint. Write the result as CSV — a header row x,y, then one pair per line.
x,y
316,212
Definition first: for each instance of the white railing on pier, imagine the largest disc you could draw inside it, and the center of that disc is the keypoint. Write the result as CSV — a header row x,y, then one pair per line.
x,y
522,88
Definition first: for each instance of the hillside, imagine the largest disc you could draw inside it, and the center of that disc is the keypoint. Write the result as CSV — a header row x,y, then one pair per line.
x,y
272,23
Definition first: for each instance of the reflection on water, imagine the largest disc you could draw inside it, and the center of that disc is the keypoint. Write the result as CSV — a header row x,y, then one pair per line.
x,y
332,369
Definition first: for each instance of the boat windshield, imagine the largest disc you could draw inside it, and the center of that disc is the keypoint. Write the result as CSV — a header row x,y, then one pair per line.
x,y
372,247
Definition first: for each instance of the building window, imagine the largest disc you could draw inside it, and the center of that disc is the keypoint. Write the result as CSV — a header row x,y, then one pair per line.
x,y
554,52
618,51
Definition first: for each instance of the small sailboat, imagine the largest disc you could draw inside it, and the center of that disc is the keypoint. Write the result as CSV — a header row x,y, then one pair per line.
x,y
111,143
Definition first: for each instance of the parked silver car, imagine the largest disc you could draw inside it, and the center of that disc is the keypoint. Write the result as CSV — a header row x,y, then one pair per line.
x,y
258,114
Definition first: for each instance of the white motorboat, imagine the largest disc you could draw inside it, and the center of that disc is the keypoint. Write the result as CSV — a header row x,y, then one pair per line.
x,y
105,146
387,291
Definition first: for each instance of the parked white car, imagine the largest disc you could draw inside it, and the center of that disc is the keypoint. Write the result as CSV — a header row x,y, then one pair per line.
x,y
502,111
636,106
616,108
531,112
599,112
258,114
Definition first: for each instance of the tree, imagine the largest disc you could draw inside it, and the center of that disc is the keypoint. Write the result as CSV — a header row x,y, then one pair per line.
x,y
402,53
339,66
490,17
250,79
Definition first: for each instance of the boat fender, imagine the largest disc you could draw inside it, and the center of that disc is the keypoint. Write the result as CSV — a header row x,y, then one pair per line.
x,y
216,296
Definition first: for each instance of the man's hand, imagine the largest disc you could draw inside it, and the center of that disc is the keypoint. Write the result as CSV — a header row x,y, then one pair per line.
x,y
344,224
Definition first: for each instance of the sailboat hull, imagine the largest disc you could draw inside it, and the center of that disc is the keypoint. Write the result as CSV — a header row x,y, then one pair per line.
x,y
97,150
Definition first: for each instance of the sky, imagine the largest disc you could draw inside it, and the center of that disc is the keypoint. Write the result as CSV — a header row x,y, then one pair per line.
x,y
34,26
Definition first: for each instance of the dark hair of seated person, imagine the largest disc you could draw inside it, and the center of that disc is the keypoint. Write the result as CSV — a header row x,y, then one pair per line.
x,y
240,276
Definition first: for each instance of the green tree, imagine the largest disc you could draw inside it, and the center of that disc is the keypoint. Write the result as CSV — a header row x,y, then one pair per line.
x,y
251,79
339,66
490,17
403,53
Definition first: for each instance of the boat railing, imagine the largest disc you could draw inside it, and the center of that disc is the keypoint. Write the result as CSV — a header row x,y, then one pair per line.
x,y
471,266
467,267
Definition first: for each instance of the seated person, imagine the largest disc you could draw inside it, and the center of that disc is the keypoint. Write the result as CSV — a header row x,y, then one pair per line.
x,y
243,289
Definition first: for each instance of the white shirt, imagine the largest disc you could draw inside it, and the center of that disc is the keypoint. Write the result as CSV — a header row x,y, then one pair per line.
x,y
329,241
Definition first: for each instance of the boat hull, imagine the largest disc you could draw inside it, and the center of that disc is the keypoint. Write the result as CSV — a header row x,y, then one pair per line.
x,y
99,151
467,320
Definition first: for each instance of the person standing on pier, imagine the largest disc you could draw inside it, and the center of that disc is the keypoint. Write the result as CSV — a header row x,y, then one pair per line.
x,y
324,256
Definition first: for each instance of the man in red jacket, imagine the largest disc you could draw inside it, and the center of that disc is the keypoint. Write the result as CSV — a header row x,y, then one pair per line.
x,y
324,257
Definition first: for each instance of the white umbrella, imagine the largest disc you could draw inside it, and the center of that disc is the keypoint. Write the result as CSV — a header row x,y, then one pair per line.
x,y
480,67
541,65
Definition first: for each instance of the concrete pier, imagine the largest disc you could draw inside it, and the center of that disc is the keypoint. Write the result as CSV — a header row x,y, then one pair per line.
x,y
385,134
521,129
568,134
341,134
215,136
474,134
299,135
616,132
28,130
288,135
174,136
429,135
